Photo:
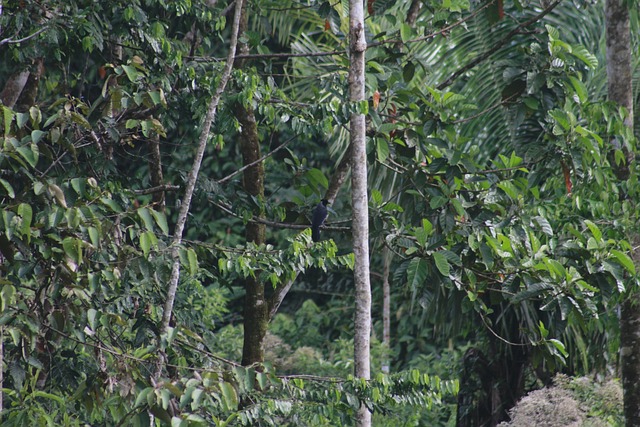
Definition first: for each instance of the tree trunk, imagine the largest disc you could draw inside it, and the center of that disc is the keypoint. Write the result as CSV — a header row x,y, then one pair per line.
x,y
256,309
386,308
359,201
620,91
176,241
256,306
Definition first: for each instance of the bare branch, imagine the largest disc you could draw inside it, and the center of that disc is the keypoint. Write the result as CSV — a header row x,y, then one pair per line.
x,y
156,189
10,40
276,224
266,156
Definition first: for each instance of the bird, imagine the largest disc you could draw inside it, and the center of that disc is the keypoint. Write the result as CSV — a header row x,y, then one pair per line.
x,y
319,215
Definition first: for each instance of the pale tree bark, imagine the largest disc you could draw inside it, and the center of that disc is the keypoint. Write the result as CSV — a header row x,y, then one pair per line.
x,y
359,201
191,183
386,307
619,78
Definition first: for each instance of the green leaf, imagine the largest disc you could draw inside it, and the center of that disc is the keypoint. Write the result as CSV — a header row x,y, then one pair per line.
x,y
363,107
38,188
451,256
442,264
146,217
408,71
80,120
405,32
509,188
317,179
141,399
625,260
579,88
533,291
544,225
263,380
161,221
8,188
487,255
87,44
559,346
111,204
376,196
583,54
36,136
26,213
595,231
92,318
21,119
30,153
193,261
145,243
8,118
94,236
79,185
73,249
49,396
230,396
417,272
6,296
617,273
382,150
132,73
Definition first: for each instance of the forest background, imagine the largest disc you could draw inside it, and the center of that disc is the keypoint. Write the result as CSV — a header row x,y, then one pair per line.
x,y
161,159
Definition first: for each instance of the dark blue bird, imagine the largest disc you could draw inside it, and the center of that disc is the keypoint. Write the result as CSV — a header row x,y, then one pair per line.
x,y
319,215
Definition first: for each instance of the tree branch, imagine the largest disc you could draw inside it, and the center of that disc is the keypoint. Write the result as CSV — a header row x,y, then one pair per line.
x,y
266,156
10,40
156,189
276,224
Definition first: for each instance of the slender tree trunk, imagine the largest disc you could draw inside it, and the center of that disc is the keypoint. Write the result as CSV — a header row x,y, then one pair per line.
x,y
359,201
190,186
386,307
619,78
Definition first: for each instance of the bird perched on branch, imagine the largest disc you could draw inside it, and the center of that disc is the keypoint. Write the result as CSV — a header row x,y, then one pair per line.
x,y
319,215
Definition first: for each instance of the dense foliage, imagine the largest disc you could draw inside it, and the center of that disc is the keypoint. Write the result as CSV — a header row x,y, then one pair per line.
x,y
491,187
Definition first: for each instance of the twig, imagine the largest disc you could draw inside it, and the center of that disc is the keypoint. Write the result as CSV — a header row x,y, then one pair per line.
x,y
266,156
276,224
156,189
481,113
10,40
504,340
